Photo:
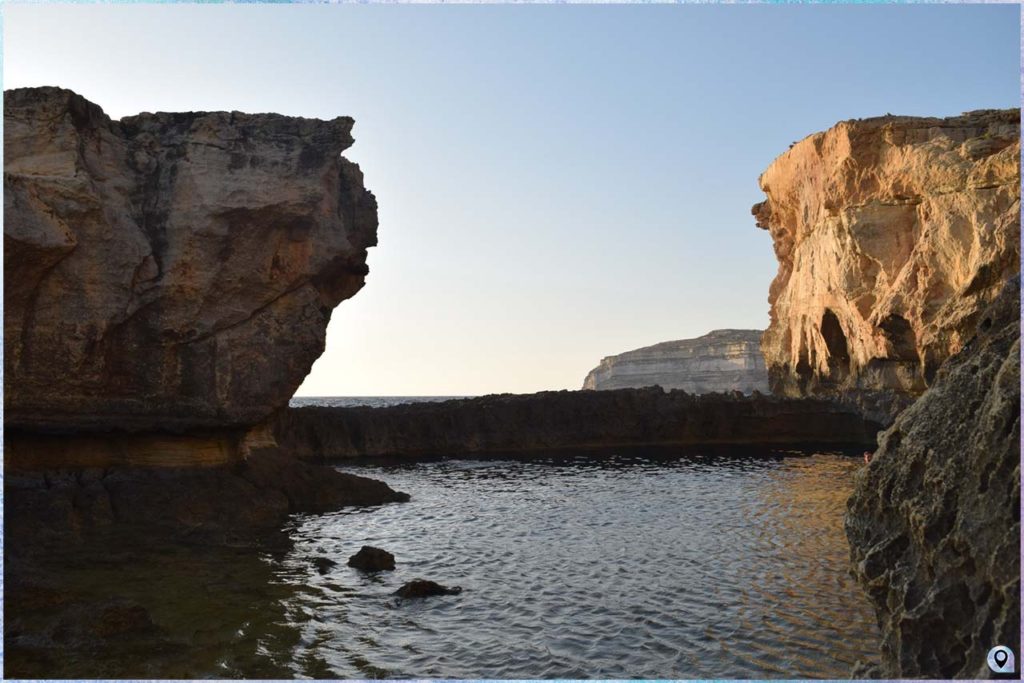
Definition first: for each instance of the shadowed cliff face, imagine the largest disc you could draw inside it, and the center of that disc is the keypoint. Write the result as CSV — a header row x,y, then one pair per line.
x,y
722,360
553,420
934,521
170,271
892,234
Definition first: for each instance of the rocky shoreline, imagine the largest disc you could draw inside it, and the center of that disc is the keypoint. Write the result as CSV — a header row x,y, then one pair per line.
x,y
152,340
934,521
560,420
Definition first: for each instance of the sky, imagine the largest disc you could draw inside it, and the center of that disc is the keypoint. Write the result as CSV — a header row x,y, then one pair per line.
x,y
556,183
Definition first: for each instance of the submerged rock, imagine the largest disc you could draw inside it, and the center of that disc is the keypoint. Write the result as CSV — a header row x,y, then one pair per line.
x,y
934,521
421,588
168,272
372,559
892,235
324,564
721,360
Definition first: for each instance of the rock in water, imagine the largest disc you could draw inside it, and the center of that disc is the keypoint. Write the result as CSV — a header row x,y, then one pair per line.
x,y
421,588
170,271
934,521
722,360
324,564
372,559
892,235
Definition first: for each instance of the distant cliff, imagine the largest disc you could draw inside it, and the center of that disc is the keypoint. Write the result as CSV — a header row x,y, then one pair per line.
x,y
892,235
722,360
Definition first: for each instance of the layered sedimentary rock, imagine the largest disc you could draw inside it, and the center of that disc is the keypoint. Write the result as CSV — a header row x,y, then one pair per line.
x,y
722,360
892,234
170,271
934,521
168,279
557,420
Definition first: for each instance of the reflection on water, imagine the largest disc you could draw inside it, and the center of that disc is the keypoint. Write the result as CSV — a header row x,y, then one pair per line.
x,y
611,567
217,612
667,568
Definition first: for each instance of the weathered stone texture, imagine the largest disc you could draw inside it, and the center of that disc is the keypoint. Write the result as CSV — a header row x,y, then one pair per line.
x,y
170,271
722,360
892,234
934,521
556,420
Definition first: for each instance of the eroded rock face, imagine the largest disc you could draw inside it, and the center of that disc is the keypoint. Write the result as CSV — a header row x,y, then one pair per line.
x,y
167,272
892,234
722,360
934,521
556,420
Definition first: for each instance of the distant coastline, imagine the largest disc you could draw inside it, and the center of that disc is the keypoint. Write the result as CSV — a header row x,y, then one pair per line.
x,y
367,401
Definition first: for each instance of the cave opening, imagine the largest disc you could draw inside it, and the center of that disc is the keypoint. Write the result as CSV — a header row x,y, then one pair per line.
x,y
901,338
838,349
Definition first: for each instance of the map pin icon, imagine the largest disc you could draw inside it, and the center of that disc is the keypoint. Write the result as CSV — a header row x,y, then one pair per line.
x,y
1000,656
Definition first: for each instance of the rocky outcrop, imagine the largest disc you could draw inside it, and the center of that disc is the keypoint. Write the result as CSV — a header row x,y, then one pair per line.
x,y
168,272
168,281
370,559
892,235
721,360
934,521
212,505
555,420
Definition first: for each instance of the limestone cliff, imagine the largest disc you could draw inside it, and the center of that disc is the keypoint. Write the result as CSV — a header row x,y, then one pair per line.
x,y
170,271
892,234
934,521
168,279
722,360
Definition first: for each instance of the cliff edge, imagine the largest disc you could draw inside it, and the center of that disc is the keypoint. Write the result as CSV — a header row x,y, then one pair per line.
x,y
892,235
168,272
168,279
719,361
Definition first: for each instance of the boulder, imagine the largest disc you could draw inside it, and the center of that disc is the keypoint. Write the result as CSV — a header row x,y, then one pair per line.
x,y
372,559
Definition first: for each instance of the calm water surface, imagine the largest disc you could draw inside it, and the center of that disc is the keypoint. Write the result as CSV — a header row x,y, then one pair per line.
x,y
684,567
617,567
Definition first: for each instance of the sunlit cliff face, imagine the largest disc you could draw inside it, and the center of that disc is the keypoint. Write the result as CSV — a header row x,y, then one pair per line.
x,y
891,234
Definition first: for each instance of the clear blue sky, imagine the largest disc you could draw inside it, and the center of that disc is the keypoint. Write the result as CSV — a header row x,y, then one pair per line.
x,y
556,183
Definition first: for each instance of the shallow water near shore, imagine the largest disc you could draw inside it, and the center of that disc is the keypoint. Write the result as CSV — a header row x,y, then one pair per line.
x,y
655,566
581,567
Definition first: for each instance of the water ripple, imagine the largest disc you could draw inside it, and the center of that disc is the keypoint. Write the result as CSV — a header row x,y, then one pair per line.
x,y
617,567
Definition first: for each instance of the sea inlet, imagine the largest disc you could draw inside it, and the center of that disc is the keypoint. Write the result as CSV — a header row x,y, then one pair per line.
x,y
661,564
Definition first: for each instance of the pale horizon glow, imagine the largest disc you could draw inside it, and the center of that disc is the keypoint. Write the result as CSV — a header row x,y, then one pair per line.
x,y
556,183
